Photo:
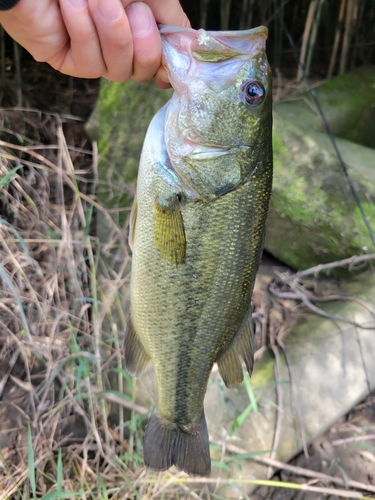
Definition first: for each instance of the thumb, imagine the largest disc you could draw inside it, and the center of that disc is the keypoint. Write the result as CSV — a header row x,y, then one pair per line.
x,y
166,12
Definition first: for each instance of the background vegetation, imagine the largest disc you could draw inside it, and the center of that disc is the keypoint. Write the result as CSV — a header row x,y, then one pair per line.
x,y
70,426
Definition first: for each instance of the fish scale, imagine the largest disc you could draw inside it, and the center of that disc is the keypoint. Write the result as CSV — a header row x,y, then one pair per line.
x,y
197,235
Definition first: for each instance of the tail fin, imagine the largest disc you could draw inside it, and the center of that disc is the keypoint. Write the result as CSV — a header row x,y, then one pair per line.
x,y
166,444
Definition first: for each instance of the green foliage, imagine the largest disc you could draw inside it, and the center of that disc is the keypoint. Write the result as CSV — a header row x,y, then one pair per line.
x,y
9,176
251,407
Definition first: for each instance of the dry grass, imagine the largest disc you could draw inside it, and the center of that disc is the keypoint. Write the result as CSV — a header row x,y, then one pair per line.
x,y
66,429
69,423
57,343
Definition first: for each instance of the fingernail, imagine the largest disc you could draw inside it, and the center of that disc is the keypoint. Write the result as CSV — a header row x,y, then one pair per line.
x,y
78,4
111,10
140,18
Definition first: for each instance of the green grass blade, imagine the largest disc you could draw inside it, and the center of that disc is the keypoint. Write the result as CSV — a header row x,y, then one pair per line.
x,y
88,219
89,300
220,465
8,177
30,460
238,421
251,454
59,472
19,238
53,495
250,392
5,277
118,394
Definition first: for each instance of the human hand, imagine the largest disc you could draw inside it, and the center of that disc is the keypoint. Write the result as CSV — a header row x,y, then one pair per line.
x,y
117,39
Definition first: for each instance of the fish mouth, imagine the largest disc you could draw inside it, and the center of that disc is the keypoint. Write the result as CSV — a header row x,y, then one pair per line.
x,y
215,46
260,30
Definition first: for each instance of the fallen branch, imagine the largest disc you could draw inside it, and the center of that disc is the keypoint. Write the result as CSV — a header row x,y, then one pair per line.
x,y
339,442
299,294
261,482
300,471
350,262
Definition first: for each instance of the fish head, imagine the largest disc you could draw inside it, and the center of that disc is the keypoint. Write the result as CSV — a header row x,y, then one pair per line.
x,y
222,83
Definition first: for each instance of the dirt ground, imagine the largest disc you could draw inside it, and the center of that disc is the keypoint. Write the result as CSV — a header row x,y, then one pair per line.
x,y
346,451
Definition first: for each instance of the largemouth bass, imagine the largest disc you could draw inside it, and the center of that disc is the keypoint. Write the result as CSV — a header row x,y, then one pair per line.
x,y
197,230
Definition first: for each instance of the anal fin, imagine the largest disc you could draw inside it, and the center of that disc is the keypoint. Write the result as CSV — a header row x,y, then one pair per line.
x,y
169,230
230,368
229,364
136,357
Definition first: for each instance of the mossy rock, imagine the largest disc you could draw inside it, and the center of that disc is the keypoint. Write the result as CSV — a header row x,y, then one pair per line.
x,y
348,103
314,217
119,124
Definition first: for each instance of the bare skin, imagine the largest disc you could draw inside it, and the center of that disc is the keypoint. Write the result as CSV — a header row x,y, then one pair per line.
x,y
117,39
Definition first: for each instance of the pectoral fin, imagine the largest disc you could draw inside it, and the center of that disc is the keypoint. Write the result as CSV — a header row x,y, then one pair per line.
x,y
136,358
169,230
229,364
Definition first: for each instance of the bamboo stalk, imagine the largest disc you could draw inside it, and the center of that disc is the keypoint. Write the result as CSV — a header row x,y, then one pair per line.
x,y
351,15
305,38
278,32
336,42
224,14
314,32
262,8
203,13
371,48
295,15
2,51
244,10
18,78
250,13
358,33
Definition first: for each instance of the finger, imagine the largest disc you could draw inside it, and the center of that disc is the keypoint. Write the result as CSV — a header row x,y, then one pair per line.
x,y
115,38
165,12
169,12
83,58
37,26
146,41
161,78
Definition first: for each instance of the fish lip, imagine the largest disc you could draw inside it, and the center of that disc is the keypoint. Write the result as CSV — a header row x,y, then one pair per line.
x,y
260,30
202,151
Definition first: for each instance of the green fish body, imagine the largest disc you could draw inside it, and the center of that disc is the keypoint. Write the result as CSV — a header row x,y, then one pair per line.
x,y
197,230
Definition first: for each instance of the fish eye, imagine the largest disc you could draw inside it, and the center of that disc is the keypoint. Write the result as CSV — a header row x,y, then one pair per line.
x,y
254,93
